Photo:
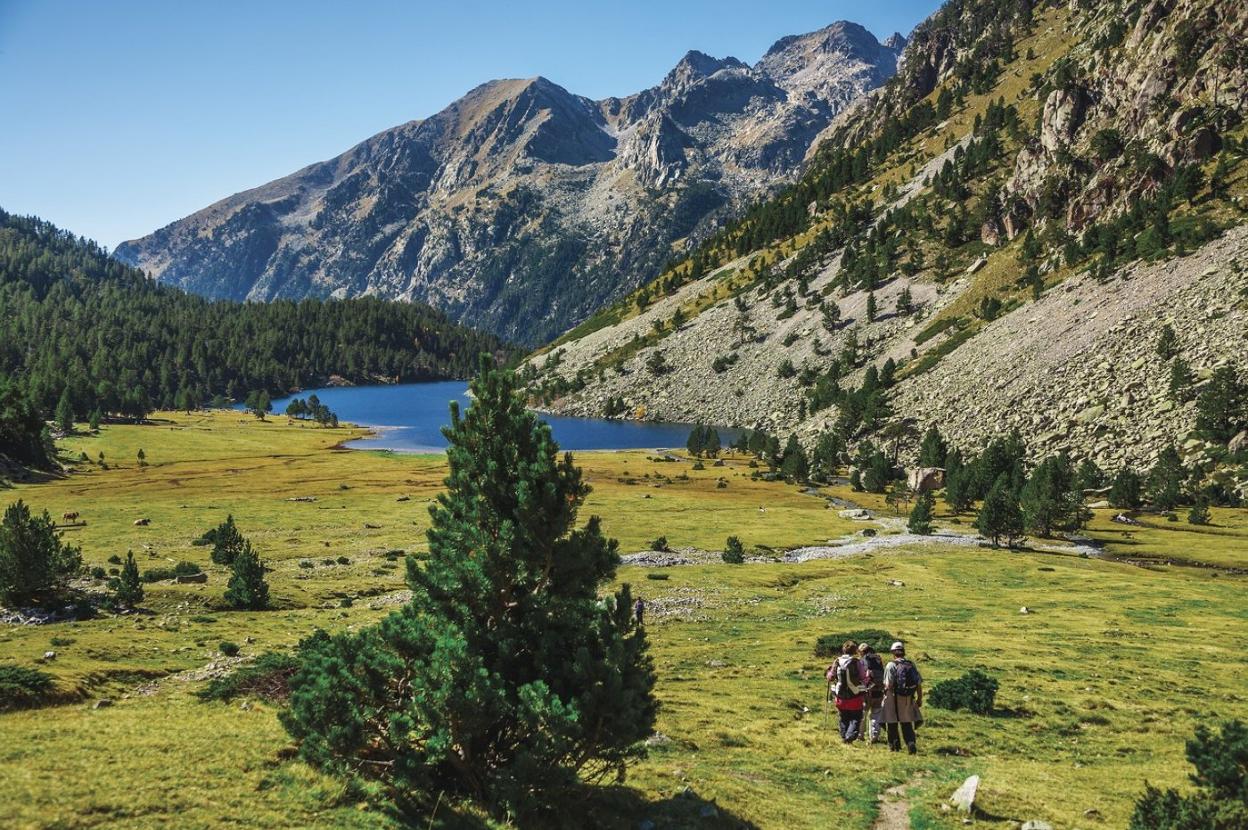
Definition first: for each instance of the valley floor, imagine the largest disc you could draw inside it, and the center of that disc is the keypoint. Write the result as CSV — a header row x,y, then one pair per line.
x,y
1100,683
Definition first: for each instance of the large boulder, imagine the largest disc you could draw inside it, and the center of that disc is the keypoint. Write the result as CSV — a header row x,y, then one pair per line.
x,y
964,797
1063,113
922,479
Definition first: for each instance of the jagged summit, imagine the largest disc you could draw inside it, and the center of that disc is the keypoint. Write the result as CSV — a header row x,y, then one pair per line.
x,y
522,207
896,41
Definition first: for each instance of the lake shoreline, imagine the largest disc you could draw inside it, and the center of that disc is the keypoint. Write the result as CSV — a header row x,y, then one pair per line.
x,y
408,419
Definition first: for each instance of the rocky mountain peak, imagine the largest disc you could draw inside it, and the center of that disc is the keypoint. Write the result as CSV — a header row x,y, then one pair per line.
x,y
522,207
896,41
696,65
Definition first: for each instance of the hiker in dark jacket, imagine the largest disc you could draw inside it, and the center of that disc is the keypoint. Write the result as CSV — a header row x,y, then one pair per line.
x,y
850,686
639,610
873,708
903,695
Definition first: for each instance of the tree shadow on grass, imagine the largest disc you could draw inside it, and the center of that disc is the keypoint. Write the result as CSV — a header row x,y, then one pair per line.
x,y
603,808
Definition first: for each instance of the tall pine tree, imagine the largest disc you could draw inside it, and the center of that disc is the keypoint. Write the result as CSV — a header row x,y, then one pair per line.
x,y
509,677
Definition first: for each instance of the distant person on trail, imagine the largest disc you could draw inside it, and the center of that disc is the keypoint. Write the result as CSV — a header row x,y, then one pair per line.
x,y
639,610
873,711
849,683
903,695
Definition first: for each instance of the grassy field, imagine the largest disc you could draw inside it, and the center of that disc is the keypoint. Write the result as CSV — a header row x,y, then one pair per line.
x,y
1100,683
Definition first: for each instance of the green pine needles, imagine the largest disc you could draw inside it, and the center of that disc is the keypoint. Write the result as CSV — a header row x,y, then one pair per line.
x,y
508,678
247,589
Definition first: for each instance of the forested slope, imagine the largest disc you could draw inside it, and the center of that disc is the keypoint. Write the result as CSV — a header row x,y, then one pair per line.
x,y
77,325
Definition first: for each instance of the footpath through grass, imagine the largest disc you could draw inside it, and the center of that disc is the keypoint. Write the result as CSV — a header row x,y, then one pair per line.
x,y
1100,683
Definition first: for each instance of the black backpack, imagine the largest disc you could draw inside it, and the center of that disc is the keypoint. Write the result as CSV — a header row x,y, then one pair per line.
x,y
846,675
876,666
905,678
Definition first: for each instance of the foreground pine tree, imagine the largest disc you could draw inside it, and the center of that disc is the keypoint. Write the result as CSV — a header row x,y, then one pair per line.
x,y
507,678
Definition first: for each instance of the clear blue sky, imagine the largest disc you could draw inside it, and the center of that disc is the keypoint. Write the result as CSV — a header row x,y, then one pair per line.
x,y
117,118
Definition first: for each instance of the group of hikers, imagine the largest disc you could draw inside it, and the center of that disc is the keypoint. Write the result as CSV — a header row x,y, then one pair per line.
x,y
864,687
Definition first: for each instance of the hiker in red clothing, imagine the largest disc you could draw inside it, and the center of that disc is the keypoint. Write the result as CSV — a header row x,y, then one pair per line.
x,y
848,676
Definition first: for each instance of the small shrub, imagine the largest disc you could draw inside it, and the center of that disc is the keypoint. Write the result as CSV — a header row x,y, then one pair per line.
x,y
98,573
658,577
342,560
186,569
23,688
734,551
228,649
973,691
114,559
61,642
829,645
346,602
267,678
306,563
660,544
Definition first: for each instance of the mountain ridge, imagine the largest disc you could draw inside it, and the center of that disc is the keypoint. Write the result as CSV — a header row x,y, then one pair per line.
x,y
522,206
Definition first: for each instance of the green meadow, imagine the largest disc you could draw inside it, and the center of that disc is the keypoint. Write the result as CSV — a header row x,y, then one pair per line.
x,y
1101,681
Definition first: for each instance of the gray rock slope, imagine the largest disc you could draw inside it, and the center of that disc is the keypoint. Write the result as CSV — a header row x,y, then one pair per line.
x,y
521,207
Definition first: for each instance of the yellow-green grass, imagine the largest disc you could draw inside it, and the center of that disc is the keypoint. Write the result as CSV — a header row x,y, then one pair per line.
x,y
1223,543
1100,683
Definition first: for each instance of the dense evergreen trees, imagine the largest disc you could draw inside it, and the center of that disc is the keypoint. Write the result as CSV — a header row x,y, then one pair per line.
x,y
921,517
1220,800
79,326
34,562
1000,517
129,590
509,677
247,588
24,436
703,440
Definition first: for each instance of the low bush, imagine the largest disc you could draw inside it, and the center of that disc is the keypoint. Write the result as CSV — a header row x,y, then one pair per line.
x,y
660,544
973,691
23,688
267,678
829,645
228,649
162,574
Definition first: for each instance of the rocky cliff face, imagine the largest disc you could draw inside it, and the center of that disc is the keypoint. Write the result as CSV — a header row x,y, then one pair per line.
x,y
1120,148
522,207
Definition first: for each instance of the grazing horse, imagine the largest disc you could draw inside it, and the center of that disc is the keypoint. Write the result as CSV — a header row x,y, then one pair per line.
x,y
69,517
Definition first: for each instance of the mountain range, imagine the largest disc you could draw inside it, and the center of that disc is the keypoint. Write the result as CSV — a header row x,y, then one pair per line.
x,y
522,207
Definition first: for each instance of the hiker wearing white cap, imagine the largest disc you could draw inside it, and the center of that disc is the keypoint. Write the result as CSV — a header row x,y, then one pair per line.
x,y
903,695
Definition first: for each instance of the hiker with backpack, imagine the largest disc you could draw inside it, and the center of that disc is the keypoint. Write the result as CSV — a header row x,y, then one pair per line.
x,y
848,676
873,703
903,695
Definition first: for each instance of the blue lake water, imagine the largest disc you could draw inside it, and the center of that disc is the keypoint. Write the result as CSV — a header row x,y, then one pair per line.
x,y
409,417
